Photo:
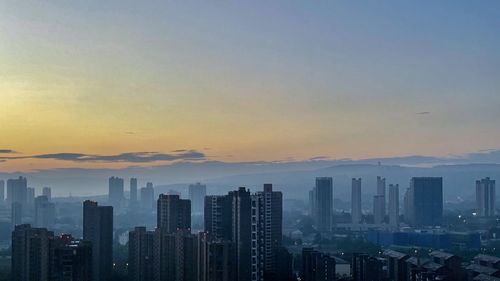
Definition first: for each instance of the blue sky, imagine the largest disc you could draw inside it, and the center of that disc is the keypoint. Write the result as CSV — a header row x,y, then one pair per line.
x,y
249,81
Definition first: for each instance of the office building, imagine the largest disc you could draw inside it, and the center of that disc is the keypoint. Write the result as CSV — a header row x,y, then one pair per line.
x,y
485,197
323,203
133,190
98,229
378,209
17,191
115,197
394,205
317,266
141,254
356,201
197,193
44,212
147,197
173,213
424,201
30,253
71,259
47,191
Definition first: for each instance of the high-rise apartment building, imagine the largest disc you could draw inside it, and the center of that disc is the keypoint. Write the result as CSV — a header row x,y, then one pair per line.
x,y
2,191
323,203
485,197
133,190
30,197
424,201
394,205
47,191
147,197
141,254
218,216
356,201
317,266
98,229
30,253
116,193
197,193
173,213
378,209
71,259
44,212
17,191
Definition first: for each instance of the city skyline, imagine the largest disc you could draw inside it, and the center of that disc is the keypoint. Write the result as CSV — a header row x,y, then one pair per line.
x,y
195,82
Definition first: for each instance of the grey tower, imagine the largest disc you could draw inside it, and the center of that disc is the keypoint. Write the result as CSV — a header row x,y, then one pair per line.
x,y
323,203
98,229
356,201
485,197
424,201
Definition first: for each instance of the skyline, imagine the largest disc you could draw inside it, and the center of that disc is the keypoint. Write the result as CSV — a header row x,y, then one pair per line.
x,y
244,82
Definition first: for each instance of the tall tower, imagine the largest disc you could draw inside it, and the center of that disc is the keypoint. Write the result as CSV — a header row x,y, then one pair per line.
x,y
2,191
70,259
98,229
173,213
47,191
115,191
378,209
356,201
141,254
323,194
133,190
425,201
394,205
17,191
485,197
44,212
148,196
30,253
197,193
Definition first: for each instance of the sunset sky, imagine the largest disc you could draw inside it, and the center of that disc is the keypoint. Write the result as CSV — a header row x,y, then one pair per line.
x,y
105,81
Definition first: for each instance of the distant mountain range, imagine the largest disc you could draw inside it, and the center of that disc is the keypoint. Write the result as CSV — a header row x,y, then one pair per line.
x,y
294,178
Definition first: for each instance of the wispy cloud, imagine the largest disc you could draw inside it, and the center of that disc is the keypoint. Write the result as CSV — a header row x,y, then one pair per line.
x,y
423,113
131,157
7,151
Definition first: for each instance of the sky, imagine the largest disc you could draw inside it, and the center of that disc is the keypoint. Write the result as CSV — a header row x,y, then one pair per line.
x,y
112,84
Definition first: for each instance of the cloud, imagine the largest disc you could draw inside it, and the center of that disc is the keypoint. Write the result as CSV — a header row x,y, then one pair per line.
x,y
319,158
5,151
131,157
423,113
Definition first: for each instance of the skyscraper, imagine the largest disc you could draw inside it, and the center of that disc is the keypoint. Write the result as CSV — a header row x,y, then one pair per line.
x,y
173,213
323,198
47,191
148,196
218,216
241,223
424,201
30,253
394,205
116,196
71,259
17,191
30,197
197,193
16,213
98,229
44,212
380,186
381,192
141,254
485,197
269,216
215,259
133,190
378,209
2,191
356,201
